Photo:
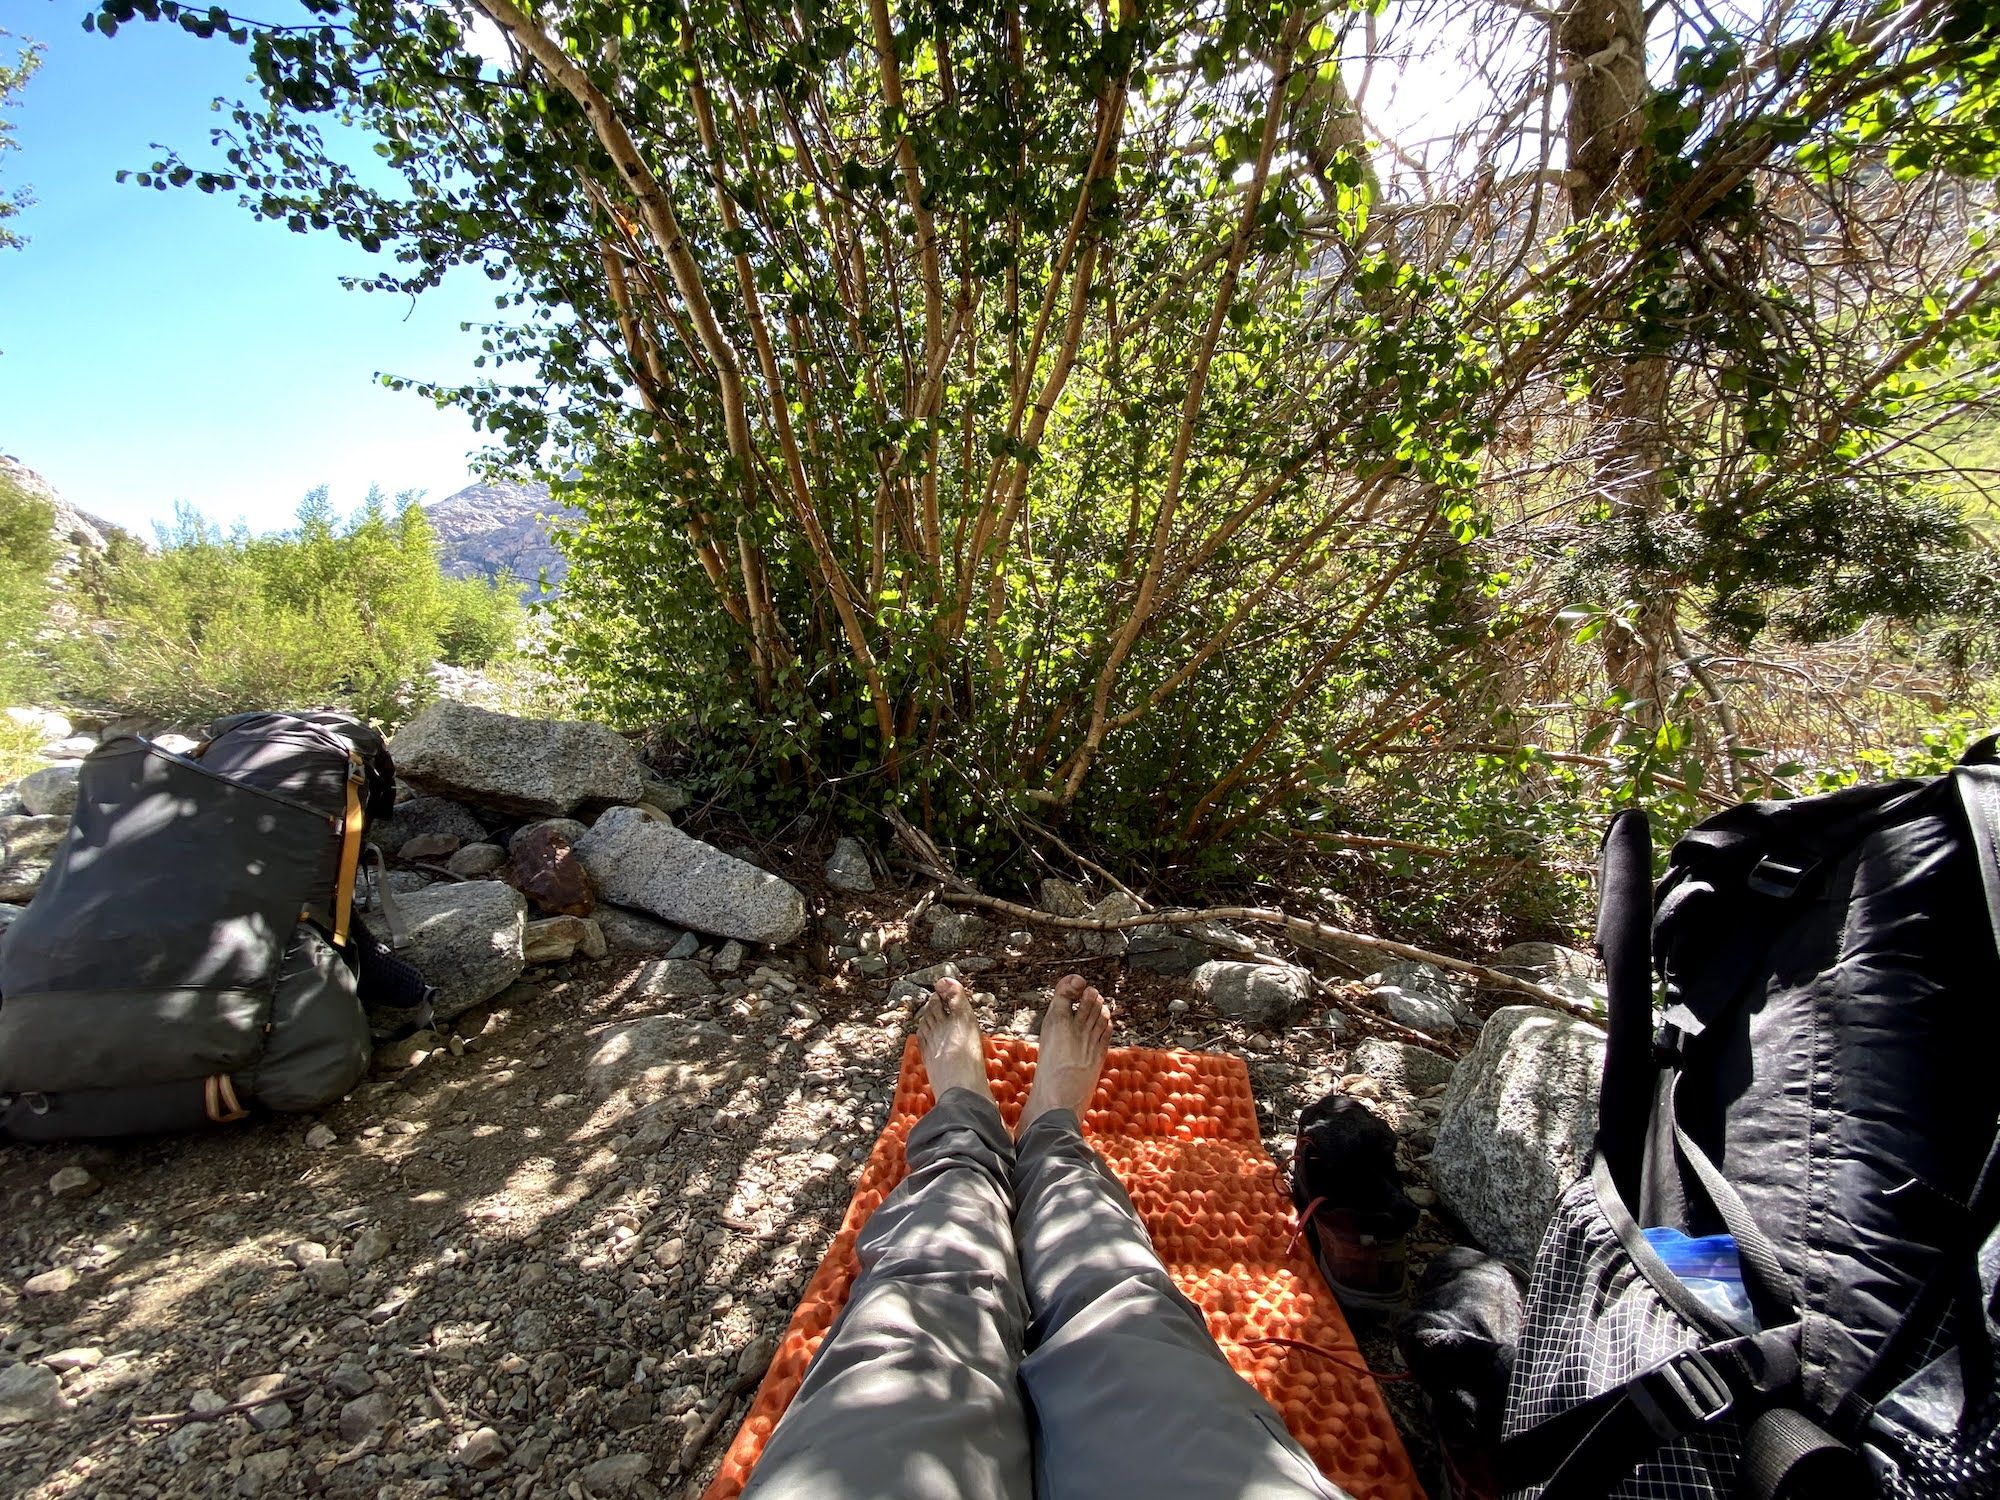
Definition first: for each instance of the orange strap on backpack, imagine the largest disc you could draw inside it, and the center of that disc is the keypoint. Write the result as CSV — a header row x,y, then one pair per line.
x,y
350,853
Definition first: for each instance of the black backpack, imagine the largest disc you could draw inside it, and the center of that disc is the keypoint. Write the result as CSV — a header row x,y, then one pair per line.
x,y
194,950
1821,1086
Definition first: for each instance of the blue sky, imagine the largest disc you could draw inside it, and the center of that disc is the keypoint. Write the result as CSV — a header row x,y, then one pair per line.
x,y
165,346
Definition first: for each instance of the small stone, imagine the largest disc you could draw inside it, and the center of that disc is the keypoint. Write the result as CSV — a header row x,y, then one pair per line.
x,y
530,1330
592,943
30,1393
1253,992
80,1358
1114,907
420,815
805,1012
1416,977
756,1356
328,1277
673,979
684,946
320,1137
566,829
955,929
1400,1065
1417,1010
554,940
261,1470
479,1448
363,1416
1061,898
394,1057
617,1475
50,1283
304,1253
261,1387
273,1416
27,848
543,866
49,792
351,1380
206,1403
73,1182
429,847
664,795
728,958
476,860
370,1246
634,932
847,868
45,722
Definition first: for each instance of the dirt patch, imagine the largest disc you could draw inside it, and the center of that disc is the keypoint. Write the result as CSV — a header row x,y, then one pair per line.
x,y
527,1264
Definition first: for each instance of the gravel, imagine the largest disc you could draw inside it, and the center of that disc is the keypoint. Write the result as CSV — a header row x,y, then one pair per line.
x,y
533,1260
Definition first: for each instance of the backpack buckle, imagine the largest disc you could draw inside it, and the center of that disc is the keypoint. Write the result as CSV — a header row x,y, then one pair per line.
x,y
1680,1395
1776,876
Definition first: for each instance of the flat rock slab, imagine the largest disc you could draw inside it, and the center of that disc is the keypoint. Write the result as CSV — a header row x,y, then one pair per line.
x,y
533,767
467,940
1518,1123
641,861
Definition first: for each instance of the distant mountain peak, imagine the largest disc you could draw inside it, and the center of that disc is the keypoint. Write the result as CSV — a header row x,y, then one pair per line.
x,y
484,530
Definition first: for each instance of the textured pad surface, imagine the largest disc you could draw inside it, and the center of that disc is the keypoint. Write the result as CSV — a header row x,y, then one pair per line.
x,y
1180,1130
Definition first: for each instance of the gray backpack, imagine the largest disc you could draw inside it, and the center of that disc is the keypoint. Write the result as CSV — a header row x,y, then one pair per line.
x,y
193,950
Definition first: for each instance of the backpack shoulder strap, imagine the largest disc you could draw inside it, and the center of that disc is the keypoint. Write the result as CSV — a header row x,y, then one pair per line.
x,y
1977,779
1625,942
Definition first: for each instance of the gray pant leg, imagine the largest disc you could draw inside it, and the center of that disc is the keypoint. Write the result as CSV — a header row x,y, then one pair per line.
x,y
915,1390
1130,1394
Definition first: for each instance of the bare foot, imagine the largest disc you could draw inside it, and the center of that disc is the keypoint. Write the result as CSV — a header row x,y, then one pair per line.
x,y
948,1036
1075,1033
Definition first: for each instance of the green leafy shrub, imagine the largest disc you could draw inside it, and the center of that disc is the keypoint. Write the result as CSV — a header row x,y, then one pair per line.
x,y
27,552
351,611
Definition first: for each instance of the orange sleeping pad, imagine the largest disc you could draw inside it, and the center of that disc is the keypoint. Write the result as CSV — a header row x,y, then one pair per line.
x,y
1180,1130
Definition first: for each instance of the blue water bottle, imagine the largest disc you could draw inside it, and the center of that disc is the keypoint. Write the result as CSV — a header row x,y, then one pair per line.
x,y
1709,1268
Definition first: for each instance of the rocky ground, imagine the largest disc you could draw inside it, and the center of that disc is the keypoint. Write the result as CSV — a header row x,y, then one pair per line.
x,y
547,1247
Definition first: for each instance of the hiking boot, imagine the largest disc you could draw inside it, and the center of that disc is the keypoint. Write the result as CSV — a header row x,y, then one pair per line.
x,y
1365,1260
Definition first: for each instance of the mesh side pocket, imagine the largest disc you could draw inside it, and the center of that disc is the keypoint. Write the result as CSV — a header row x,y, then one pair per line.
x,y
1936,1435
1592,1322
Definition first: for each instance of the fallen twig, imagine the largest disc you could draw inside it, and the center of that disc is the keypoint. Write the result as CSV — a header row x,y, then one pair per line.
x,y
182,1418
957,890
697,1441
1272,917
